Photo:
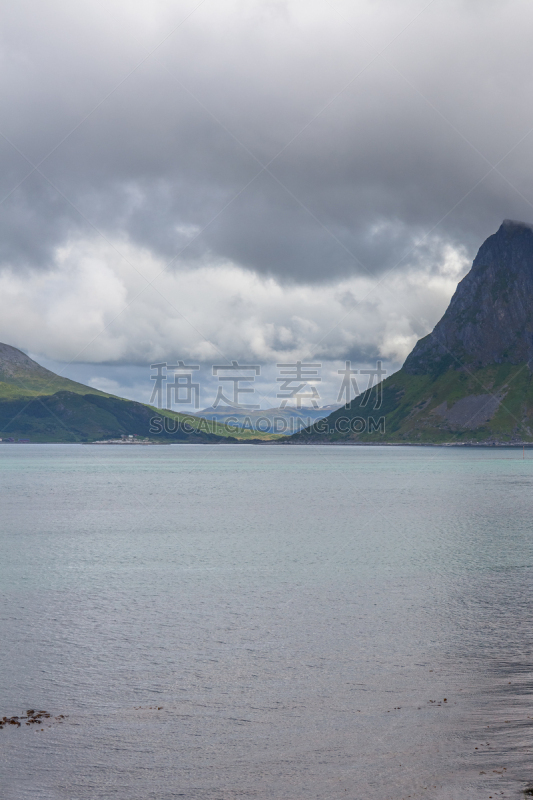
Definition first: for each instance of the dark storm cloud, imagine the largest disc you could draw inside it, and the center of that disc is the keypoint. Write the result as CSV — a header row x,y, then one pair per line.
x,y
365,157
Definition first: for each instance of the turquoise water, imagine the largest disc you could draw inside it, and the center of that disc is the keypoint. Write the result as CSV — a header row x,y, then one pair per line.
x,y
266,622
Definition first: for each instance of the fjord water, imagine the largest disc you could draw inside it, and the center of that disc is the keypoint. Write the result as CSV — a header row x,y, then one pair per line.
x,y
266,622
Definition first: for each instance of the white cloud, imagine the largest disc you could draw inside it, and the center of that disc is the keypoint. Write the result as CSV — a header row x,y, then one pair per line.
x,y
96,304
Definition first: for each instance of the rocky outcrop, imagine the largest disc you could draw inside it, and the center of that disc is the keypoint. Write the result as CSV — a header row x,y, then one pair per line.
x,y
470,412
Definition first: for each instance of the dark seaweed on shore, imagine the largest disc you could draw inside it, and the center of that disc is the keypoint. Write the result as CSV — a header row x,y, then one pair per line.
x,y
32,718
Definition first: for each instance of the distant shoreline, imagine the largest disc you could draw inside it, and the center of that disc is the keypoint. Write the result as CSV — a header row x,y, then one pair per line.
x,y
260,443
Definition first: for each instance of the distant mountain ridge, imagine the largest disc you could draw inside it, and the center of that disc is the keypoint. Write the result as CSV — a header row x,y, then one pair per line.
x,y
471,379
268,420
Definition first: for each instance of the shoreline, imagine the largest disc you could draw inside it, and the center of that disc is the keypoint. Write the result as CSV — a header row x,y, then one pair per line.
x,y
487,445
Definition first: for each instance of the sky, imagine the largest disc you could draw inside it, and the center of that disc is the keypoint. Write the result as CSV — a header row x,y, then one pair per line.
x,y
255,180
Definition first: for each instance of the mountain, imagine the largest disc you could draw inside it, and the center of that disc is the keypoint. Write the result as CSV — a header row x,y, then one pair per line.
x,y
490,316
470,380
40,406
270,420
21,376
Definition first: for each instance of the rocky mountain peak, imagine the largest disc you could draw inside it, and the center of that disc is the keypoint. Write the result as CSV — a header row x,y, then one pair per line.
x,y
490,316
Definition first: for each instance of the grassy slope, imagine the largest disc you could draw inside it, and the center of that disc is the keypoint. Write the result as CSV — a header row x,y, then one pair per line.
x,y
67,416
36,387
408,401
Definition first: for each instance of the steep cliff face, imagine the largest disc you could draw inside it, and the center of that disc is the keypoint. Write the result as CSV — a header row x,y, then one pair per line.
x,y
490,317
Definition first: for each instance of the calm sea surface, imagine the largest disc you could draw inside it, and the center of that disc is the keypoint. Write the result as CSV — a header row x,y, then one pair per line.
x,y
266,622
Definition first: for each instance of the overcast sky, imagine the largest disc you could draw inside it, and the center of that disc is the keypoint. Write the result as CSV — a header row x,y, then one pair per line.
x,y
263,180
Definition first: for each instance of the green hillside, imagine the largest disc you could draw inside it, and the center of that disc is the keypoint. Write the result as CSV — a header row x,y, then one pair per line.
x,y
40,406
70,417
492,404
